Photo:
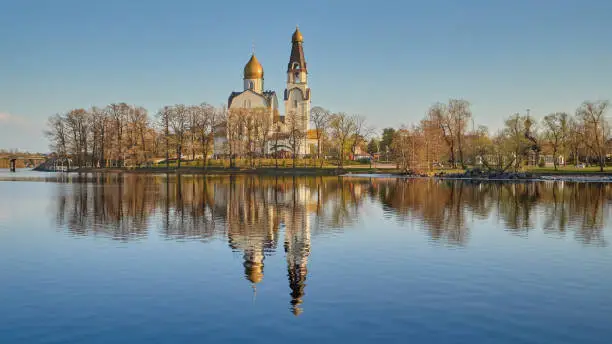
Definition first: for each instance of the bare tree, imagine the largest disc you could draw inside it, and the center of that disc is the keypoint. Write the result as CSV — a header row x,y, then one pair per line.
x,y
99,124
452,120
205,123
320,118
592,117
118,114
407,146
277,136
342,128
575,138
264,125
163,116
179,124
77,129
296,133
439,114
517,141
361,132
56,133
459,112
236,132
137,126
555,132
193,113
432,141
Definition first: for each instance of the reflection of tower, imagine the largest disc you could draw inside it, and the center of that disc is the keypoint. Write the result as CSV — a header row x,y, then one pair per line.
x,y
297,250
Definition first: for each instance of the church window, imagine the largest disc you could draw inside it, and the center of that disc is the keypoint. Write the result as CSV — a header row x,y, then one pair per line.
x,y
250,85
295,104
246,104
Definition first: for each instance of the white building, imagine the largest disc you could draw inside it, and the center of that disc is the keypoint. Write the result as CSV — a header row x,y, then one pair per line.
x,y
296,99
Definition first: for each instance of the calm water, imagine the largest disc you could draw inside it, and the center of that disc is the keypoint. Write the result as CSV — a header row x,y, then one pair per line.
x,y
193,259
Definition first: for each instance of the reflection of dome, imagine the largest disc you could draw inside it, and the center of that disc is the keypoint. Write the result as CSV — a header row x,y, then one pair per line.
x,y
297,36
253,69
253,271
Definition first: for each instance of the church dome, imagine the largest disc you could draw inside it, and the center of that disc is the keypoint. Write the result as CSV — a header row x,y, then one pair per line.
x,y
297,36
253,69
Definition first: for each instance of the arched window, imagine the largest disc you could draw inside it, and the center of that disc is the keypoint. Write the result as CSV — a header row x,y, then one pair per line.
x,y
246,104
251,86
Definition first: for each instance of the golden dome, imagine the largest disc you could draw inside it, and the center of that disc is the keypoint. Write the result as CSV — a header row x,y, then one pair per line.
x,y
297,36
253,69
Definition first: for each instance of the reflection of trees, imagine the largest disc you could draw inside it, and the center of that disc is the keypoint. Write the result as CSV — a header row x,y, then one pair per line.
x,y
205,207
515,204
106,206
252,212
438,206
577,207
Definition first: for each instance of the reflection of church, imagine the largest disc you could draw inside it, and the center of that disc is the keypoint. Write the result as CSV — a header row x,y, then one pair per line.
x,y
253,223
296,98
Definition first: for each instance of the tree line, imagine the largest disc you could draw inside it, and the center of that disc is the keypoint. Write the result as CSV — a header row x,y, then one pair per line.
x,y
121,134
447,135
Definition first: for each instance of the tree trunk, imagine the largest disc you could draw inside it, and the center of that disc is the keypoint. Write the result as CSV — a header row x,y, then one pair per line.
x,y
167,144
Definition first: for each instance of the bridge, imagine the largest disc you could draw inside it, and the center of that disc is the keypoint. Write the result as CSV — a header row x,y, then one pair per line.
x,y
14,161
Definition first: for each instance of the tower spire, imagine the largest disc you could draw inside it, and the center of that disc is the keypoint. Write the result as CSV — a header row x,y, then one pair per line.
x,y
296,59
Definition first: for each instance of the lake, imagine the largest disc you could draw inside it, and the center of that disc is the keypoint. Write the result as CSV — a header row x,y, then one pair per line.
x,y
202,259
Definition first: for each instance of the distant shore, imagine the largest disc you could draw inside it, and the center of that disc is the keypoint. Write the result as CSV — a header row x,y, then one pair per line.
x,y
357,170
266,171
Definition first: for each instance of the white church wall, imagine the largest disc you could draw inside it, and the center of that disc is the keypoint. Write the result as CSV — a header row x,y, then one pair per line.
x,y
248,100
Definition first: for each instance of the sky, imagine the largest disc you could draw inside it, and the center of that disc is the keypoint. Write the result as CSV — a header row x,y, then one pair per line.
x,y
386,60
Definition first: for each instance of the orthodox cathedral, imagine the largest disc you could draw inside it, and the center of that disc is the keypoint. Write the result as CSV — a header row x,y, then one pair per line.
x,y
296,96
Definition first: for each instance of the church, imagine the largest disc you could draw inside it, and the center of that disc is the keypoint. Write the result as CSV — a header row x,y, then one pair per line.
x,y
296,101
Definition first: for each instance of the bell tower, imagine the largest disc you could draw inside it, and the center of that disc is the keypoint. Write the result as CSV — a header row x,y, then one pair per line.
x,y
297,93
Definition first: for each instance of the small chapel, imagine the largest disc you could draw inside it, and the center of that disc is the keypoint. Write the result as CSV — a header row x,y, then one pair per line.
x,y
296,98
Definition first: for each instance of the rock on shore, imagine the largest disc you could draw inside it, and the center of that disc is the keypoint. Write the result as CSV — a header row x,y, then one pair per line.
x,y
477,173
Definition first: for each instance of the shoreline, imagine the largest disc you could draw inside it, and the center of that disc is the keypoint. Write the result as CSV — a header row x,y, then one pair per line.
x,y
271,171
357,171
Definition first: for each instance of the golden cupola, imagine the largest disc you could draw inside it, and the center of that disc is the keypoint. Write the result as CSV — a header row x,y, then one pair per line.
x,y
297,36
253,69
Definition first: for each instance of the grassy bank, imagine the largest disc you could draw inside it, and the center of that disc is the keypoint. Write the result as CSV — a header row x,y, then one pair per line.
x,y
313,171
313,167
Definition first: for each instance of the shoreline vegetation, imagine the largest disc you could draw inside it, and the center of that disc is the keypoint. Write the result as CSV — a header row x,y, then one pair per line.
x,y
331,170
445,143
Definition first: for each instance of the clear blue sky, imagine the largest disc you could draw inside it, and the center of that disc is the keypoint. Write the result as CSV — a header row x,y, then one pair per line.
x,y
387,60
